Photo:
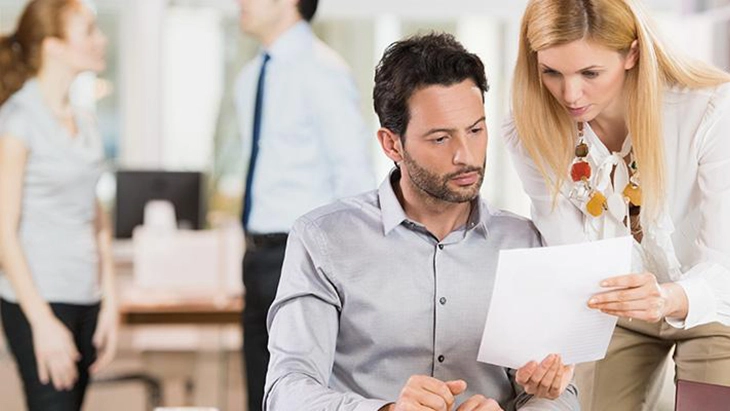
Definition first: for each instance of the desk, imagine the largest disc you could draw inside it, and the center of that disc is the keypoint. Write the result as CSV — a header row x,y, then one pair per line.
x,y
200,311
209,383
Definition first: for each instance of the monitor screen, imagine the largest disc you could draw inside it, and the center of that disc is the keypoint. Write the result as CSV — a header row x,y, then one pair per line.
x,y
135,188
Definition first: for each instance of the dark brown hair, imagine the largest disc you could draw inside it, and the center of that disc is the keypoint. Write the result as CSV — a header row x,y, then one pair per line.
x,y
416,62
307,8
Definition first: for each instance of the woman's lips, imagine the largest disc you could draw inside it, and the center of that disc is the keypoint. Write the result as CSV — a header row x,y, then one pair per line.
x,y
578,111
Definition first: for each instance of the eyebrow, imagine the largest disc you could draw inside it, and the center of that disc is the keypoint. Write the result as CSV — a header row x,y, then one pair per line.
x,y
593,67
451,130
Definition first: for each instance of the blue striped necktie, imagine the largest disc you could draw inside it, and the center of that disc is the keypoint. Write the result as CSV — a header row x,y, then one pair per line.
x,y
254,142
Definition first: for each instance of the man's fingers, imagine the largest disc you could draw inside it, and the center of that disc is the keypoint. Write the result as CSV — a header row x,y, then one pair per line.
x,y
427,391
547,380
525,372
542,369
557,387
440,389
480,403
456,387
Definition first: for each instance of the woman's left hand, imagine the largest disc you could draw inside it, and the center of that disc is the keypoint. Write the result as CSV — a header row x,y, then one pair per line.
x,y
105,336
640,296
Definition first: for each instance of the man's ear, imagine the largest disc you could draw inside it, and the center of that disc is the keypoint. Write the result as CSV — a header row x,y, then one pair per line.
x,y
633,56
391,144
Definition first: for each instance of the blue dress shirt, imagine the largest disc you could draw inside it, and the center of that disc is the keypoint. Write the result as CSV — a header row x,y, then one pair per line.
x,y
314,146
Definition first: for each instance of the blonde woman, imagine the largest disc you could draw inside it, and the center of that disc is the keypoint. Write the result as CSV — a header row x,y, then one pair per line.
x,y
54,238
615,135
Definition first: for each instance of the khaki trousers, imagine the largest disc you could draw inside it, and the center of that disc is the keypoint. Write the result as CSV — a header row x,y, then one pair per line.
x,y
627,377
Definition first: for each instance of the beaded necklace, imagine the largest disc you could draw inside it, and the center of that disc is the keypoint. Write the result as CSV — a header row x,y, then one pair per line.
x,y
595,201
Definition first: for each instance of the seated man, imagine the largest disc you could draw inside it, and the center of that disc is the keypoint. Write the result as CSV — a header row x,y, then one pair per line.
x,y
383,296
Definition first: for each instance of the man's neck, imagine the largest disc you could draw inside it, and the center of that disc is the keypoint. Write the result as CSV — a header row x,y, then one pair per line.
x,y
438,216
274,33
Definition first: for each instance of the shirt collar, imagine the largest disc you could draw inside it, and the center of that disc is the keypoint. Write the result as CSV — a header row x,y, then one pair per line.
x,y
390,207
599,150
394,215
291,42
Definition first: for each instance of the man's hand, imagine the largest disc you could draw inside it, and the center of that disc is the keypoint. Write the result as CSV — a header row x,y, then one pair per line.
x,y
546,380
426,393
480,403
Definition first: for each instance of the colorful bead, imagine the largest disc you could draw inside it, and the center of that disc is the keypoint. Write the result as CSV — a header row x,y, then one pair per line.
x,y
633,193
596,204
580,170
581,150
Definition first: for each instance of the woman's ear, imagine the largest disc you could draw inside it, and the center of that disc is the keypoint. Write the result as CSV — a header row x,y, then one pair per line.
x,y
633,56
391,144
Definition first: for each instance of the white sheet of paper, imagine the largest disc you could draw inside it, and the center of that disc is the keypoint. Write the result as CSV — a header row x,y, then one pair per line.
x,y
539,305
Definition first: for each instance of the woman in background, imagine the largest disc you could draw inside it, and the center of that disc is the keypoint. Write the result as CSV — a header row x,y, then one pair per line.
x,y
615,135
56,287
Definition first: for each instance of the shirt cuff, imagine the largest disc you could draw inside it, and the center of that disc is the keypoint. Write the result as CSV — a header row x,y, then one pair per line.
x,y
701,305
371,405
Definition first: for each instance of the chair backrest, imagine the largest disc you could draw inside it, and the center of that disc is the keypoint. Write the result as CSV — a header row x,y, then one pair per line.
x,y
694,396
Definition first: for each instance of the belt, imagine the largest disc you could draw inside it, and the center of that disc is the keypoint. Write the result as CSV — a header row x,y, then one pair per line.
x,y
271,240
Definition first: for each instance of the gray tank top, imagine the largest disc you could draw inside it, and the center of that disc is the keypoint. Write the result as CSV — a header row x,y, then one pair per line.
x,y
59,199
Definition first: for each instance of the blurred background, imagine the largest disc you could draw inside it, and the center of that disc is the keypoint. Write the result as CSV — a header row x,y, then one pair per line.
x,y
165,103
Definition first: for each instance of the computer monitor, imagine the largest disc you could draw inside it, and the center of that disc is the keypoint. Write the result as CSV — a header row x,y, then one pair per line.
x,y
136,187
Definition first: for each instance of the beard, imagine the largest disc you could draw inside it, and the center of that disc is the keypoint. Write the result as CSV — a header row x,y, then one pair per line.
x,y
437,186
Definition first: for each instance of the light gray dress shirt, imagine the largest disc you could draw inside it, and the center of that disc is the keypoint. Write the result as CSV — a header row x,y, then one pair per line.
x,y
368,298
59,198
314,146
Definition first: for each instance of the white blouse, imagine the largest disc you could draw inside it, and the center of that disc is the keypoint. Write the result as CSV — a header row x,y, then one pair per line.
x,y
690,241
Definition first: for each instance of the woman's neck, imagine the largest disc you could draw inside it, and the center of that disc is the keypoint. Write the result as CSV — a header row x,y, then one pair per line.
x,y
54,86
611,128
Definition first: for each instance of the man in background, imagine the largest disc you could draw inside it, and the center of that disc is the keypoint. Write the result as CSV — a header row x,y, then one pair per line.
x,y
306,145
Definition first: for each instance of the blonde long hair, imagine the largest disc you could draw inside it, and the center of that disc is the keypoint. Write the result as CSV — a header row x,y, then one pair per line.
x,y
544,127
21,52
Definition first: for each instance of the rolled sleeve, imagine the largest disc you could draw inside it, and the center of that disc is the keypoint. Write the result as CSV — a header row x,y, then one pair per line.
x,y
568,400
707,282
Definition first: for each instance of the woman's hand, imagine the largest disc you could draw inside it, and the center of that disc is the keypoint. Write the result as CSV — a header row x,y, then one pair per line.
x,y
55,352
640,296
106,336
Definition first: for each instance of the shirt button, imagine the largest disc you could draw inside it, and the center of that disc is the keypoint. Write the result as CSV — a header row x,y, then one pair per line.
x,y
441,246
441,358
442,300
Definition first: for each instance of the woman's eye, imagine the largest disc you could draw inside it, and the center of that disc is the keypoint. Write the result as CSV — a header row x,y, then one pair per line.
x,y
590,74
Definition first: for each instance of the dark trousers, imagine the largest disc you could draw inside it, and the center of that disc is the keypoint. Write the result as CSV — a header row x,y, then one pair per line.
x,y
261,271
81,321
